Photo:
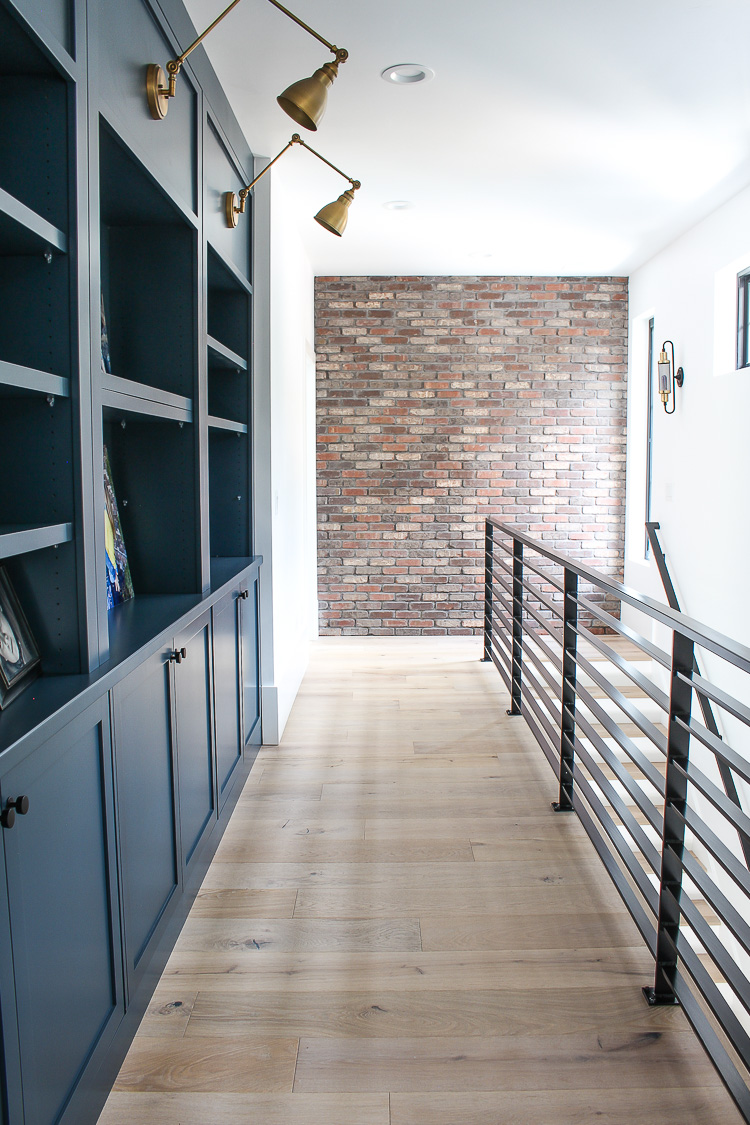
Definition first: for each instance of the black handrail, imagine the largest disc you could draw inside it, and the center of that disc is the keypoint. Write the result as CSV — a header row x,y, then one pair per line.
x,y
544,635
727,778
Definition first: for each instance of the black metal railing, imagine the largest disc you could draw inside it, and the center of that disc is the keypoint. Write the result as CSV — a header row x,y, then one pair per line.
x,y
606,679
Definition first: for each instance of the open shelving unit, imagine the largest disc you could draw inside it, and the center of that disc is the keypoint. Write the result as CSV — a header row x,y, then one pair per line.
x,y
38,317
228,306
149,283
178,311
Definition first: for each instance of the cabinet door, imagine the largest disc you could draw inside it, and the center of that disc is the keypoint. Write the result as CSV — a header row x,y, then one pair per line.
x,y
250,666
193,721
226,637
149,864
61,883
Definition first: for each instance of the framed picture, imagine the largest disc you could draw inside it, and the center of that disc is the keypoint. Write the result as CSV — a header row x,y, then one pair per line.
x,y
19,656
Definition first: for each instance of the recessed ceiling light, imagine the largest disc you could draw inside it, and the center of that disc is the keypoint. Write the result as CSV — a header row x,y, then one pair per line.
x,y
405,73
398,205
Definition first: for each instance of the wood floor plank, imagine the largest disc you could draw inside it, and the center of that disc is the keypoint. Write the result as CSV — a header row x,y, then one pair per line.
x,y
238,936
340,827
573,1061
327,850
530,931
243,1109
244,904
545,831
389,902
666,1106
455,876
389,1014
444,807
329,971
183,1065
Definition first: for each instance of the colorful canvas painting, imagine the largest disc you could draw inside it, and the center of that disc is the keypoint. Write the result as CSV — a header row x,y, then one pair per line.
x,y
119,582
106,362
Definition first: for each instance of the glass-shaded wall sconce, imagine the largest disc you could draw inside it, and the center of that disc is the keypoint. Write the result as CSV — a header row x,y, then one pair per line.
x,y
668,376
304,101
333,216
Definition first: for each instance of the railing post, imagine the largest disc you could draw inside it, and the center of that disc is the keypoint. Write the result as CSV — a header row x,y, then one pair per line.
x,y
568,701
489,543
673,836
517,647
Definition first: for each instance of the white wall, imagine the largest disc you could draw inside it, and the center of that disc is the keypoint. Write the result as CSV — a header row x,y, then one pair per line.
x,y
701,454
284,454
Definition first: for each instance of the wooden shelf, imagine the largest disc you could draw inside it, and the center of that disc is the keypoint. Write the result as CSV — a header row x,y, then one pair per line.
x,y
22,231
15,377
137,398
20,539
227,425
221,356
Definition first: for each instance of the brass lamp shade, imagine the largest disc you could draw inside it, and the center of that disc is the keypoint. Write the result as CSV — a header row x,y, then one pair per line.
x,y
334,216
305,101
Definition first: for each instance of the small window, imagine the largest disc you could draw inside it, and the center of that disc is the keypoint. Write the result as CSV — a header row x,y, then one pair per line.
x,y
743,320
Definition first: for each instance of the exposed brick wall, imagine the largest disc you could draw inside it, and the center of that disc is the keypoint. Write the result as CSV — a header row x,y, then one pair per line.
x,y
442,400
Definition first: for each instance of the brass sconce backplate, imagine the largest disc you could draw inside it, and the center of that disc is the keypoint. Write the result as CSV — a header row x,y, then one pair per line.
x,y
156,91
231,210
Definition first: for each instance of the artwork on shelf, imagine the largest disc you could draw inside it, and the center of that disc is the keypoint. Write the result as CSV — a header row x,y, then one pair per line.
x,y
119,582
19,656
106,361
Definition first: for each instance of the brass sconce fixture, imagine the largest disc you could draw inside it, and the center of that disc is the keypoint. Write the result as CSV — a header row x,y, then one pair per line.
x,y
304,101
333,216
667,374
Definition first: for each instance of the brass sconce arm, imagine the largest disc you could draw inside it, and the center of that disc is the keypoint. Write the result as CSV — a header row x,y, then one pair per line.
x,y
234,205
339,52
159,94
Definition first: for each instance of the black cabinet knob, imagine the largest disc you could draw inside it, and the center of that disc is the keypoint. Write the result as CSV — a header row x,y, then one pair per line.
x,y
13,805
244,594
178,655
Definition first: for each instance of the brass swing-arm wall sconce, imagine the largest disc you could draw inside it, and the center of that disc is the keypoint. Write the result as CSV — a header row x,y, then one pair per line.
x,y
666,369
333,216
304,101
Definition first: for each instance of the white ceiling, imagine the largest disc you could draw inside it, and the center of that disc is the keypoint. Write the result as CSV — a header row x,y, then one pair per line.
x,y
557,137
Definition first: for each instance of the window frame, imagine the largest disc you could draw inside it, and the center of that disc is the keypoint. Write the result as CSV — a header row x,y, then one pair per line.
x,y
743,319
649,428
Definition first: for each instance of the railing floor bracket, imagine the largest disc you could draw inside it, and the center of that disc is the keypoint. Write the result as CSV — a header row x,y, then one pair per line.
x,y
655,1001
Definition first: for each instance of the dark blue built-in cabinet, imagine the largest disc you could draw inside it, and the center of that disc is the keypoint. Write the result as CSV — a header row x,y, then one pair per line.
x,y
131,746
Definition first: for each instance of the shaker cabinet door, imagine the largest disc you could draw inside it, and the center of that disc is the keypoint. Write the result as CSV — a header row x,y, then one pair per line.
x,y
250,666
61,886
227,691
193,723
146,820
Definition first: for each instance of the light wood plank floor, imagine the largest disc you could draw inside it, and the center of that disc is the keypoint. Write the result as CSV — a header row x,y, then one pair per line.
x,y
397,930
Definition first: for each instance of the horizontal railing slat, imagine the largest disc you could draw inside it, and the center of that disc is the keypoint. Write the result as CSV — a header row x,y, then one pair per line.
x,y
708,638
